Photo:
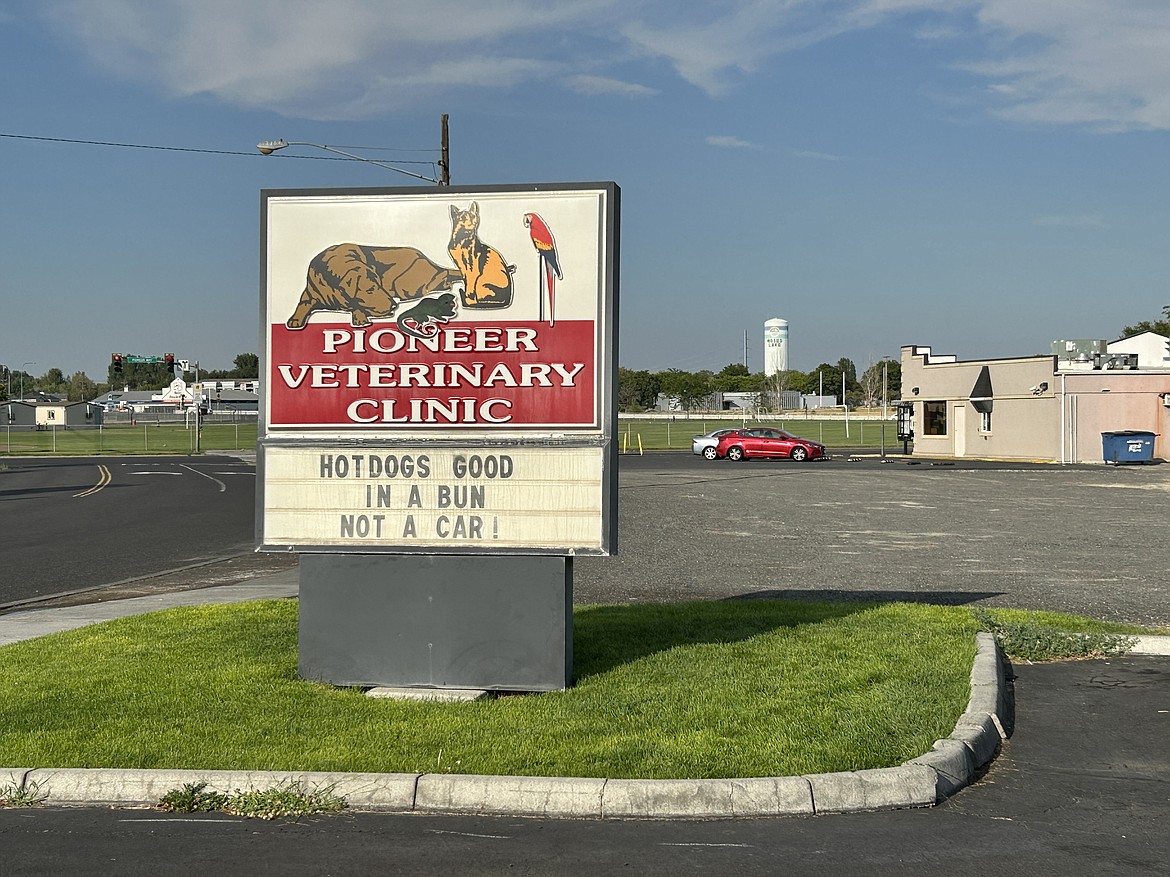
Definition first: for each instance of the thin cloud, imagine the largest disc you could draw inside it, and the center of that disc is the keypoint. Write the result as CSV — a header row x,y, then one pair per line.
x,y
585,84
1080,62
1063,62
347,58
727,142
713,53
818,156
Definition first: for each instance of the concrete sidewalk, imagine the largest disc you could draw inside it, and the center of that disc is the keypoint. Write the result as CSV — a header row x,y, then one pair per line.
x,y
951,764
25,624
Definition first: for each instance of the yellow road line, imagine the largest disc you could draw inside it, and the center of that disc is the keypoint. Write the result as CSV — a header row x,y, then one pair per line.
x,y
104,479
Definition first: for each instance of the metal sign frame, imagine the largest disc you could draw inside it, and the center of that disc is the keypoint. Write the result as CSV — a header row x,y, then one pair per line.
x,y
413,401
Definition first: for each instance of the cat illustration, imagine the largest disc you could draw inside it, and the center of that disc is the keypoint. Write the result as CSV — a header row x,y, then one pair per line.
x,y
487,278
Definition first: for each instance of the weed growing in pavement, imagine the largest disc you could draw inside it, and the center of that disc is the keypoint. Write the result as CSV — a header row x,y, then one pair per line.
x,y
1031,640
21,796
192,798
285,799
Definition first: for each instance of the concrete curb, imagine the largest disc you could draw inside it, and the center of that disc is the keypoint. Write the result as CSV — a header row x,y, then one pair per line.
x,y
1150,645
921,782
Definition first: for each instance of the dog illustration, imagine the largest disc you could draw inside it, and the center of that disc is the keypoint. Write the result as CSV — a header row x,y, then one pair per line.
x,y
487,278
423,320
368,281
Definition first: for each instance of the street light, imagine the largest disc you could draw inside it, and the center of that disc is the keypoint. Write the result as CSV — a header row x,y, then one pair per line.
x,y
267,147
30,362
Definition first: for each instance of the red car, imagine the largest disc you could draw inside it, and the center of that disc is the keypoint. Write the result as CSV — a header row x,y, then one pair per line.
x,y
744,444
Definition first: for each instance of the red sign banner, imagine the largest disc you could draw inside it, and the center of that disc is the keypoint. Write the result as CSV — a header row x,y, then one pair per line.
x,y
468,374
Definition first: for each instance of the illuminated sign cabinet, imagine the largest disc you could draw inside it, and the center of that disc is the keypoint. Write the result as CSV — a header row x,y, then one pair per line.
x,y
438,370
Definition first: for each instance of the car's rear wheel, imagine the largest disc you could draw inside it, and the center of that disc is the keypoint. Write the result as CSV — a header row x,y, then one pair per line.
x,y
735,454
799,454
709,453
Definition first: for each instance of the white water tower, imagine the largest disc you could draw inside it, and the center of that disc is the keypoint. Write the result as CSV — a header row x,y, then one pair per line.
x,y
775,346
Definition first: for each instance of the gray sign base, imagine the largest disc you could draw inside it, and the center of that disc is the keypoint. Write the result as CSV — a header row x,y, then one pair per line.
x,y
502,623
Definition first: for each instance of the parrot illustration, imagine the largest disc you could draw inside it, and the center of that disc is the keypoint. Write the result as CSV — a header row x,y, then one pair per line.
x,y
550,266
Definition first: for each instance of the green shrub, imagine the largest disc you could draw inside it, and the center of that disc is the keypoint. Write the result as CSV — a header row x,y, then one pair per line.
x,y
1031,640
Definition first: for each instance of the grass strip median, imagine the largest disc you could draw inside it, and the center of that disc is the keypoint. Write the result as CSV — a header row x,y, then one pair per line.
x,y
687,690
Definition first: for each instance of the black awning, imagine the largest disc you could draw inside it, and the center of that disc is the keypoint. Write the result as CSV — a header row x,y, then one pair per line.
x,y
981,393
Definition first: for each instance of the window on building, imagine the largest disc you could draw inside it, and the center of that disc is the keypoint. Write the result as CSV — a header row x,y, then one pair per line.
x,y
985,421
934,418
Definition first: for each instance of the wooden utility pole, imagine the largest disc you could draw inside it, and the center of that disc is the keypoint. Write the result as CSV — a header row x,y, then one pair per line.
x,y
445,159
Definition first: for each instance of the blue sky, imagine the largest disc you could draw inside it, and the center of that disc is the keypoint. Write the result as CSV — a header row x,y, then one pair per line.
x,y
980,176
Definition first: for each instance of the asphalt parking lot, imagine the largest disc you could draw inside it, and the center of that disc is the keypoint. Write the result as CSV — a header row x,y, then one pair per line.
x,y
1092,540
1086,539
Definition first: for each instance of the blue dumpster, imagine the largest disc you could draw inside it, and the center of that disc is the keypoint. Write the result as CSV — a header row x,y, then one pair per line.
x,y
1127,446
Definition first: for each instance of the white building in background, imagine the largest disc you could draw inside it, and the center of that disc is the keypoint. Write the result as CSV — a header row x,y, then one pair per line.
x,y
1151,349
775,346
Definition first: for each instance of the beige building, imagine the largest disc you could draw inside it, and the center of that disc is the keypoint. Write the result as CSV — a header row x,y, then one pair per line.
x,y
1052,408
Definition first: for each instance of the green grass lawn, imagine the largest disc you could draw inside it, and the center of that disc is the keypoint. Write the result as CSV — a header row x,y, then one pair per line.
x,y
687,690
141,438
705,689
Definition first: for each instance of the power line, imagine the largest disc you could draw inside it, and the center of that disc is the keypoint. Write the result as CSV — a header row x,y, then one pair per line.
x,y
384,148
252,154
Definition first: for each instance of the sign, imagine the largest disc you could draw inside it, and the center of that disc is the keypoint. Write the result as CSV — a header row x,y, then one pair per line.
x,y
439,370
435,498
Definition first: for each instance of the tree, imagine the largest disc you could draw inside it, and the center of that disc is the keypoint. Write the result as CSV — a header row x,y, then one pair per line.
x,y
774,386
247,366
637,390
141,375
735,378
885,374
825,379
689,389
802,382
81,388
894,379
847,368
52,381
1162,327
19,379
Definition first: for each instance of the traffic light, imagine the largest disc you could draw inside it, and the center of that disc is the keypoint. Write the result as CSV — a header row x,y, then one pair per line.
x,y
170,358
117,363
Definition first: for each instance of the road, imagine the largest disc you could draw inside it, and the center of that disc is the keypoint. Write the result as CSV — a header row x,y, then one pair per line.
x,y
1084,539
74,523
1051,805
